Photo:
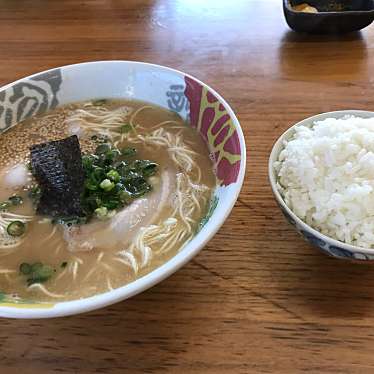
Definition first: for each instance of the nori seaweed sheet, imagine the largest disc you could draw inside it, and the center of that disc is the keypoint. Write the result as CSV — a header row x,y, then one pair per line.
x,y
57,167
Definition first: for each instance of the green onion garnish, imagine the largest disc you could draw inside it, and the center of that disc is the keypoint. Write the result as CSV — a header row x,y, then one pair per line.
x,y
25,268
113,178
36,272
16,228
101,212
113,175
107,185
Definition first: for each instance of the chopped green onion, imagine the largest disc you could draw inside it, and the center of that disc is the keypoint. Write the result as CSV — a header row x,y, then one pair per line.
x,y
113,175
113,178
107,185
45,271
101,213
35,267
39,273
98,173
91,185
16,228
36,272
111,202
25,268
88,160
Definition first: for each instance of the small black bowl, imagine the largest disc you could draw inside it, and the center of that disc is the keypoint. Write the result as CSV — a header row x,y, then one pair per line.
x,y
333,17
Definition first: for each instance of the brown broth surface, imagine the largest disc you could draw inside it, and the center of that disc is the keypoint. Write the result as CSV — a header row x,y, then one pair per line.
x,y
39,245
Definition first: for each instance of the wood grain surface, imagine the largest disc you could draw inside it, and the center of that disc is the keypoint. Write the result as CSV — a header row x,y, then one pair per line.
x,y
257,299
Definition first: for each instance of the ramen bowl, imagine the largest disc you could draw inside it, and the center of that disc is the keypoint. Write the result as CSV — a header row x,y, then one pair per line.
x,y
195,102
326,244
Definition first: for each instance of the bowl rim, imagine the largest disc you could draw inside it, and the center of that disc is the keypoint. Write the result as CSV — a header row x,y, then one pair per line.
x,y
272,178
77,306
335,12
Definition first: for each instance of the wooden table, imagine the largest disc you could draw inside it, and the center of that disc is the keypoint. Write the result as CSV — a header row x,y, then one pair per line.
x,y
257,299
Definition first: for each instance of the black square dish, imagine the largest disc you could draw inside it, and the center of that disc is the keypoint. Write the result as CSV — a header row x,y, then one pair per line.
x,y
334,16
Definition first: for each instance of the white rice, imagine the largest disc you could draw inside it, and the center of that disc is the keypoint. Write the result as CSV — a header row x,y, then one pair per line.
x,y
326,177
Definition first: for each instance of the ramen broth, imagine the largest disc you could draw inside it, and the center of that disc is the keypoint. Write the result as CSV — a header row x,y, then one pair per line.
x,y
157,235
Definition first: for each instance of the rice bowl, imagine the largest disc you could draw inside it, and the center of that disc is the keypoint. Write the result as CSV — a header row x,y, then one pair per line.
x,y
320,187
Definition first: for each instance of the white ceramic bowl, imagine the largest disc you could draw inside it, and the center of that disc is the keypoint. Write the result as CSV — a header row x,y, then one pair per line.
x,y
326,244
205,109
